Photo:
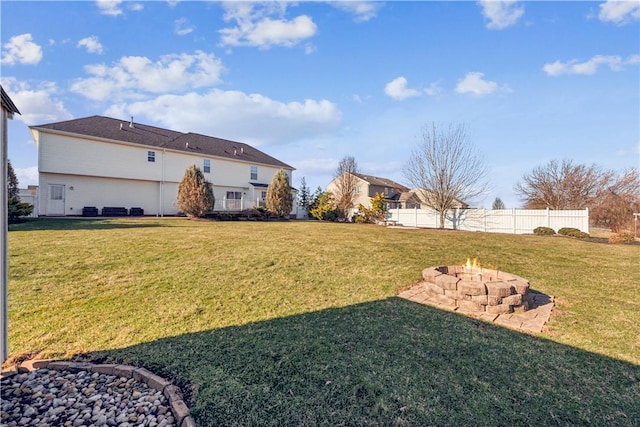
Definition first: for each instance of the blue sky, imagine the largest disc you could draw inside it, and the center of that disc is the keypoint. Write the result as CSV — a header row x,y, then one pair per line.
x,y
312,82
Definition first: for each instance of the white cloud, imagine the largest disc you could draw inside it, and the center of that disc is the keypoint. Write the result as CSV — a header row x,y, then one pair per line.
x,y
114,7
316,166
619,12
475,84
27,176
92,44
363,10
632,150
501,13
21,50
173,3
397,89
133,75
255,27
590,67
433,89
109,7
182,26
37,105
252,118
386,167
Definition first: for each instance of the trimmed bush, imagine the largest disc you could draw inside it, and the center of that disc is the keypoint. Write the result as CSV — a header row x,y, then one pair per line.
x,y
623,237
544,231
573,232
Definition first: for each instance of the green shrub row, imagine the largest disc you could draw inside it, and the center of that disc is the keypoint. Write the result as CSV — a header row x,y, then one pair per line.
x,y
544,231
573,232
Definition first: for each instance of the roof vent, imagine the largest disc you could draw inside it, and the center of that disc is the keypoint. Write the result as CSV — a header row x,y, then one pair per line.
x,y
131,122
235,152
242,150
120,126
186,145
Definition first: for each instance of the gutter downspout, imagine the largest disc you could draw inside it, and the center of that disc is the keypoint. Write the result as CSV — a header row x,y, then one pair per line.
x,y
161,198
4,259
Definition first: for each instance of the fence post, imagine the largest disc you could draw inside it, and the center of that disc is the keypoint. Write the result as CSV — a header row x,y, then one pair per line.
x,y
548,218
513,214
586,219
484,218
415,216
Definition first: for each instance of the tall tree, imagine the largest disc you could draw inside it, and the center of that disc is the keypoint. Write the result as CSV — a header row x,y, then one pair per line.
x,y
562,185
617,200
195,195
15,208
12,181
446,167
498,204
305,194
279,197
345,181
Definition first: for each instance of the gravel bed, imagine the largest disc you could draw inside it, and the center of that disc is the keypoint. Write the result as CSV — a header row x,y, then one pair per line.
x,y
45,397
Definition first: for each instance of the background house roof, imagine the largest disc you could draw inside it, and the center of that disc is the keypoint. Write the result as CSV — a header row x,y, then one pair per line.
x,y
382,182
151,136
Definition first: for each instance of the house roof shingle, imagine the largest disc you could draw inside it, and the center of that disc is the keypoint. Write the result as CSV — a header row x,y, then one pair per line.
x,y
382,182
151,136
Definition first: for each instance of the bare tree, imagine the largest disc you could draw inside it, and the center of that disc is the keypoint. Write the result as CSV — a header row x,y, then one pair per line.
x,y
447,168
617,200
562,185
345,185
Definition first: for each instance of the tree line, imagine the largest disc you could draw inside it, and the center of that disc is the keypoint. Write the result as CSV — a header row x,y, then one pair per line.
x,y
447,167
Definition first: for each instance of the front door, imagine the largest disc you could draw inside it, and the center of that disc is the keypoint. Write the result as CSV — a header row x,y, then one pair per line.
x,y
55,201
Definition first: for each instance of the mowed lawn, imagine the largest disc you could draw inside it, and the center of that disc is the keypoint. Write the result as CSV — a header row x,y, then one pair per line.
x,y
298,323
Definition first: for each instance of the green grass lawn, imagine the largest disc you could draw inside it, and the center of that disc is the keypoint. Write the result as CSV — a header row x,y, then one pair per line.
x,y
297,323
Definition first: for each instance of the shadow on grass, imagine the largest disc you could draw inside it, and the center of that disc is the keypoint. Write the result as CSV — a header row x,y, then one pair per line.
x,y
388,362
37,224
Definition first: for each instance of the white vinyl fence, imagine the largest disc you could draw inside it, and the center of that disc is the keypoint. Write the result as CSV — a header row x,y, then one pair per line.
x,y
514,221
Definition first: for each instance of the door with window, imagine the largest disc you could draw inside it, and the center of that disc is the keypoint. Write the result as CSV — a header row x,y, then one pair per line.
x,y
233,200
55,201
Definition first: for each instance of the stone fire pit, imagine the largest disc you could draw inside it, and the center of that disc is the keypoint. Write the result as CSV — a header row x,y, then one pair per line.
x,y
477,289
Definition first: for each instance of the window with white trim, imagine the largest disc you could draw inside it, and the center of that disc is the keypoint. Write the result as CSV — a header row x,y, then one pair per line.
x,y
151,156
206,167
254,173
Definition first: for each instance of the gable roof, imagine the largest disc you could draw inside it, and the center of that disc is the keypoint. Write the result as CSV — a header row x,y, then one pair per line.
x,y
7,103
151,136
381,182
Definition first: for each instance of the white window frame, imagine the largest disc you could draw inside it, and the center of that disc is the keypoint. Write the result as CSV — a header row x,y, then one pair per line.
x,y
206,166
254,173
151,156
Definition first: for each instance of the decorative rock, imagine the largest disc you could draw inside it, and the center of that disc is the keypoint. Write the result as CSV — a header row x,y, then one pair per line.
x,y
74,398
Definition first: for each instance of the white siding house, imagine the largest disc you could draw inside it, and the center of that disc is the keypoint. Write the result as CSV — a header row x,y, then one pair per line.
x,y
104,162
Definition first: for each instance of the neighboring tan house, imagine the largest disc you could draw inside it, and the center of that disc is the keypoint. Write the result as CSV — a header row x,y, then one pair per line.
x,y
415,199
104,162
396,195
367,186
